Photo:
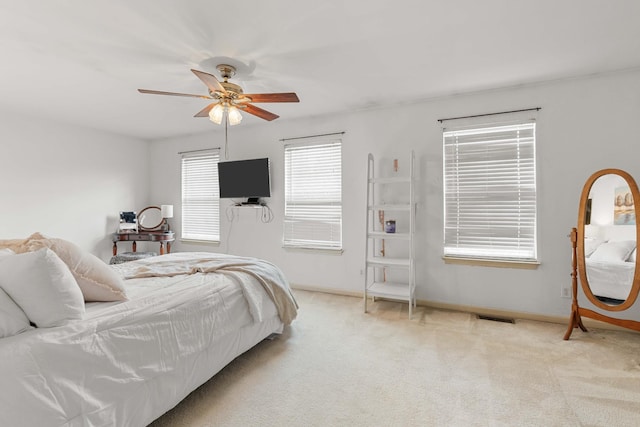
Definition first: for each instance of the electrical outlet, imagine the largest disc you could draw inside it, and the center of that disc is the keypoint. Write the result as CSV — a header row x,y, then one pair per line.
x,y
565,292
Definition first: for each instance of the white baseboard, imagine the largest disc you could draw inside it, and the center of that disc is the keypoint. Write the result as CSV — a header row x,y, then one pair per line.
x,y
473,309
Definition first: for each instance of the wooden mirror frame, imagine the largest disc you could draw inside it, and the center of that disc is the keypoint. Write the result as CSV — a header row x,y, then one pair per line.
x,y
579,264
140,215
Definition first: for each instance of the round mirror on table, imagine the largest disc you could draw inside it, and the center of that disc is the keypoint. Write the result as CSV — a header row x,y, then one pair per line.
x,y
604,249
150,218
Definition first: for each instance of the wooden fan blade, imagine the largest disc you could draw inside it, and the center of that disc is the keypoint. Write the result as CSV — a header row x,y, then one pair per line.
x,y
205,111
259,112
273,97
159,92
212,83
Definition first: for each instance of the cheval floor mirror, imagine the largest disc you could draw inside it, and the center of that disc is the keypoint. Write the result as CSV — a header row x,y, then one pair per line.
x,y
604,252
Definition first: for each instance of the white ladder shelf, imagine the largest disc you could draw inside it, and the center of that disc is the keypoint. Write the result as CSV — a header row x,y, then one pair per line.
x,y
378,263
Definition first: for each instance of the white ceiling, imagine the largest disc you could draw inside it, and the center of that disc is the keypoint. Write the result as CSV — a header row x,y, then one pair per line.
x,y
80,61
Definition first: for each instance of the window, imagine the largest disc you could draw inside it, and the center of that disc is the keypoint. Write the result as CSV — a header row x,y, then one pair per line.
x,y
313,195
200,196
490,192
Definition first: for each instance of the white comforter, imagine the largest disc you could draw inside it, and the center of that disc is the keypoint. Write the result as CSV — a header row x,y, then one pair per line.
x,y
127,363
270,278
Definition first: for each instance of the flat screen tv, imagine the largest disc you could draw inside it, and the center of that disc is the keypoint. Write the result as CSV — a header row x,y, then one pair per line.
x,y
244,178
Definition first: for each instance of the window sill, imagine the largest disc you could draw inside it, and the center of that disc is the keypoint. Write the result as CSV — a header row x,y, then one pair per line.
x,y
314,250
200,242
525,265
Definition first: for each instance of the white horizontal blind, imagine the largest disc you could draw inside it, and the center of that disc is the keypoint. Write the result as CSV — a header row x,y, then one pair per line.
x,y
200,196
313,195
490,192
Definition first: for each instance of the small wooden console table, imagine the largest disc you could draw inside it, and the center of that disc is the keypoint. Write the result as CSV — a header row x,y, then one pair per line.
x,y
144,236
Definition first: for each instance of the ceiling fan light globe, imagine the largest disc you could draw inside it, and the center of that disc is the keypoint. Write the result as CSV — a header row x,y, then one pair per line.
x,y
216,114
234,116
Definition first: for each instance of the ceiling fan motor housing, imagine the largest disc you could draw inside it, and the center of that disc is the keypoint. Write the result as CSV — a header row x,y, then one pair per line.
x,y
231,87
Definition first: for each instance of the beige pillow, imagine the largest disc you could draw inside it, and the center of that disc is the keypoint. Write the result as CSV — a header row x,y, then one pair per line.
x,y
97,281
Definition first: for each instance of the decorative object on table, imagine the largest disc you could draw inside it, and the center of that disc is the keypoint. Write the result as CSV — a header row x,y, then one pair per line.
x,y
390,226
166,211
128,222
150,218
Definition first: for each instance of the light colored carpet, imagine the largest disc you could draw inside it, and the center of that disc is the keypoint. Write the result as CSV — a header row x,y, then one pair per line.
x,y
336,366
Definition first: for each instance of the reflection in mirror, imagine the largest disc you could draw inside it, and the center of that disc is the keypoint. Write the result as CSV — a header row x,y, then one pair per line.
x,y
150,218
610,239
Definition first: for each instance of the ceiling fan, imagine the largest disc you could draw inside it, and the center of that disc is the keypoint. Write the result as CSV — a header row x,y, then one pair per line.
x,y
229,98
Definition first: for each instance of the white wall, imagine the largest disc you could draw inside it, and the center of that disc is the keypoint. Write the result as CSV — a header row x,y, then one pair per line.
x,y
584,125
68,182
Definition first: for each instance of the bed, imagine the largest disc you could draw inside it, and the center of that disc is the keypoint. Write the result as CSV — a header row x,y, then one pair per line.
x,y
180,318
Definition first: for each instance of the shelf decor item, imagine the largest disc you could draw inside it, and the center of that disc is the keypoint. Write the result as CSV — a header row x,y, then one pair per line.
x,y
390,226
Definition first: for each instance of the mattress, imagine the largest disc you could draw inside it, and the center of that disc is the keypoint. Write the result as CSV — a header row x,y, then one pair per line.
x,y
127,363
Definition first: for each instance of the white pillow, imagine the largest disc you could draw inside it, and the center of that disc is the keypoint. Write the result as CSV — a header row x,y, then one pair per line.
x,y
591,245
632,257
613,251
12,318
42,285
97,280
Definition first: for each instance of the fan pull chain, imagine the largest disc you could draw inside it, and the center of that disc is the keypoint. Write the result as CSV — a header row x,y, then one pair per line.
x,y
226,141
